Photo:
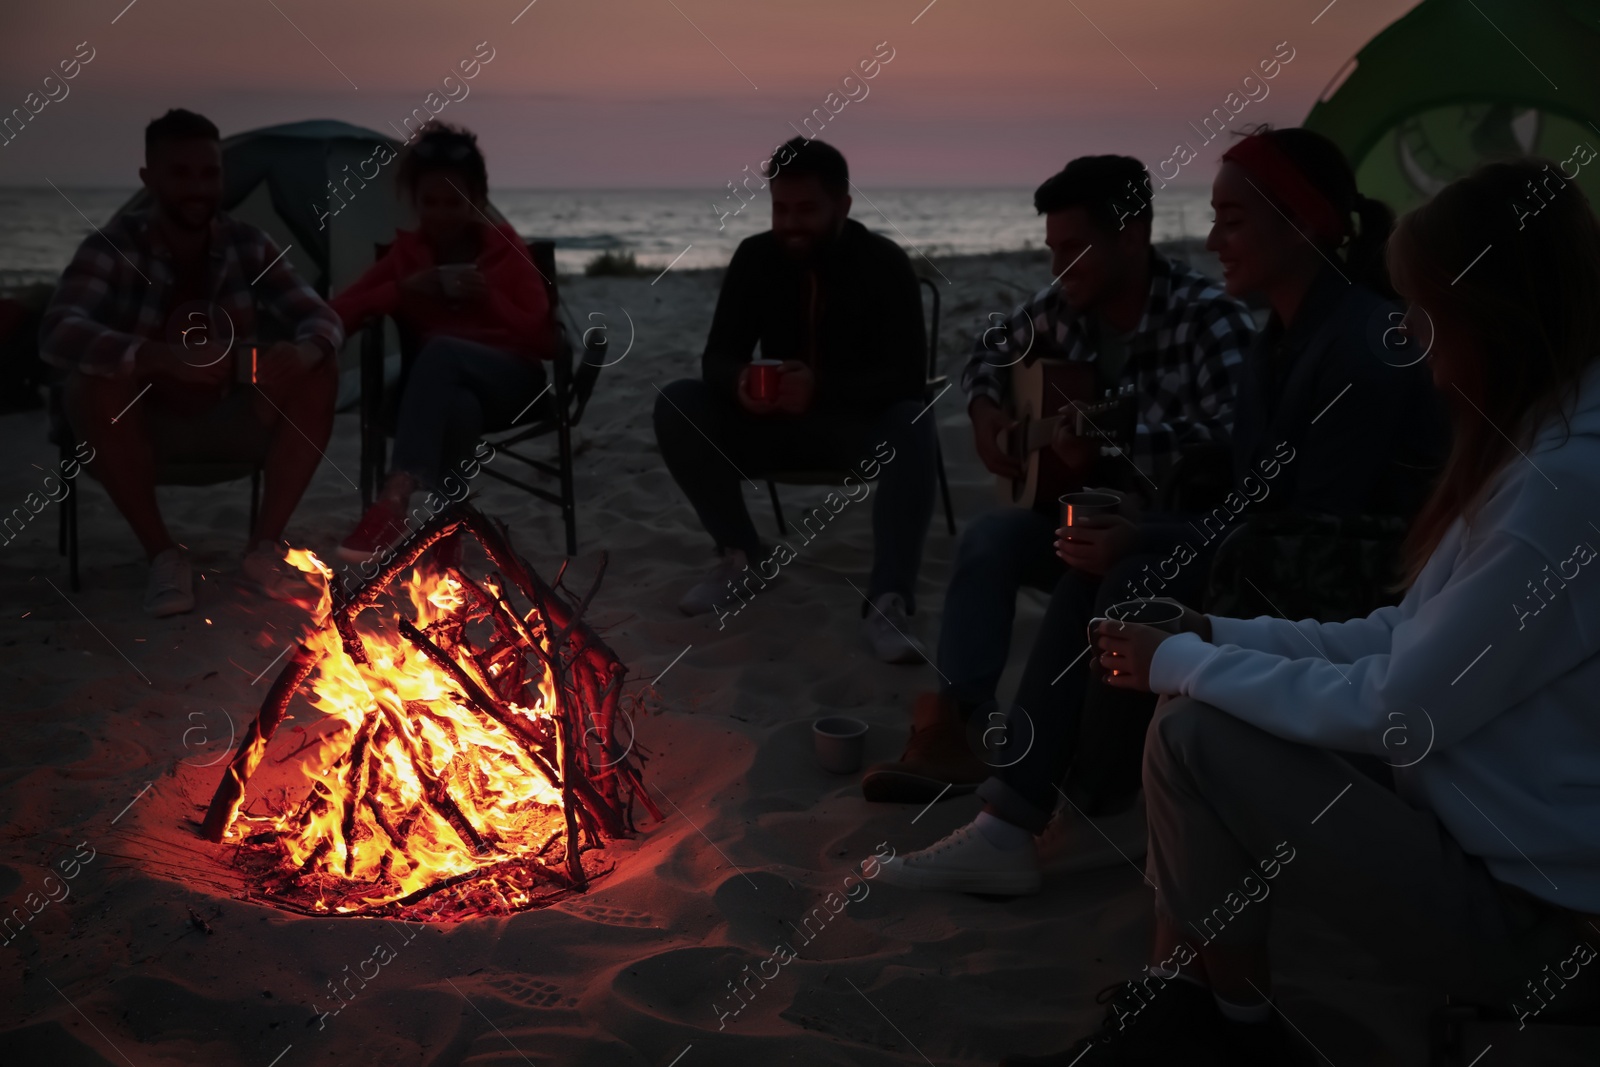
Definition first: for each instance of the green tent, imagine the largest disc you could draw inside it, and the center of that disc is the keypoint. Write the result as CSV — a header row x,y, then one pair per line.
x,y
1457,82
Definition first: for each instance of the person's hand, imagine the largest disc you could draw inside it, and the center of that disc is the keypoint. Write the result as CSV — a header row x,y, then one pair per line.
x,y
1094,542
1126,649
1076,452
471,286
1195,622
988,423
285,361
177,363
796,384
426,282
753,404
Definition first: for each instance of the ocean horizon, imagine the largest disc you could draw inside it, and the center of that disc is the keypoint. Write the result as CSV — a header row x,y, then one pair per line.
x,y
40,227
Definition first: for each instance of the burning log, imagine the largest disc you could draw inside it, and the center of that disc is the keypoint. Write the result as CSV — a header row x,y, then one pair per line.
x,y
458,748
230,792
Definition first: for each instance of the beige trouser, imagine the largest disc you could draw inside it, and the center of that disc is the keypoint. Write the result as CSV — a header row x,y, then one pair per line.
x,y
1240,819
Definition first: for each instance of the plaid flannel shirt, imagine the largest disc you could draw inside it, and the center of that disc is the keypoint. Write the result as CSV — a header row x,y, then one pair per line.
x,y
113,296
1184,358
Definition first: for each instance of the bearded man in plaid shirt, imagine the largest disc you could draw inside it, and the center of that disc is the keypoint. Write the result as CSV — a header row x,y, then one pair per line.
x,y
154,322
1143,320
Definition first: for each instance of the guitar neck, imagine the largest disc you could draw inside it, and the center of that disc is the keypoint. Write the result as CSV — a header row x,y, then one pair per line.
x,y
1085,416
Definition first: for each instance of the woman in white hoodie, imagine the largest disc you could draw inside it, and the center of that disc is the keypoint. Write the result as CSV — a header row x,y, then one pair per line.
x,y
1474,864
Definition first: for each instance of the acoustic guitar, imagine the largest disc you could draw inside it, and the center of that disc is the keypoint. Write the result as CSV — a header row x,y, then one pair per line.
x,y
1039,391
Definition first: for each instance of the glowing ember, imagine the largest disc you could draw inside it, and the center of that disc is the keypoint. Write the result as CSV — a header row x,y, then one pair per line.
x,y
474,751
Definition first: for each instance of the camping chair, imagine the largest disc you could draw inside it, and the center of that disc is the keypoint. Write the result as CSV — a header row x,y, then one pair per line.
x,y
213,470
556,411
935,384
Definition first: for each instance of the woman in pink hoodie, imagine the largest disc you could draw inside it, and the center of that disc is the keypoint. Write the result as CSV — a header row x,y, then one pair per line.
x,y
473,297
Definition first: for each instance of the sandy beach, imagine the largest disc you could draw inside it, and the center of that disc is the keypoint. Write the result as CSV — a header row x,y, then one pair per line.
x,y
116,725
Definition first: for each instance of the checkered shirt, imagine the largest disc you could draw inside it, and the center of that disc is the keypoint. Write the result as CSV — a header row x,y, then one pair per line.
x,y
1184,359
113,296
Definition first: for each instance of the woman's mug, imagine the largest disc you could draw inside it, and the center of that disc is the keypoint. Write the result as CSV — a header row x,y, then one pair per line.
x,y
1163,613
450,278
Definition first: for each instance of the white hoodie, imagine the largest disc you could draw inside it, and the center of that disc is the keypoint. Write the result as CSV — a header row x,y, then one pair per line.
x,y
1488,665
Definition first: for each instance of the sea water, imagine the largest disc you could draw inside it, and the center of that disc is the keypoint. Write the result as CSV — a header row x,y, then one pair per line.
x,y
685,228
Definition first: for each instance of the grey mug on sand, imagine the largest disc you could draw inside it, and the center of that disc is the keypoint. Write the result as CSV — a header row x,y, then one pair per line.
x,y
840,742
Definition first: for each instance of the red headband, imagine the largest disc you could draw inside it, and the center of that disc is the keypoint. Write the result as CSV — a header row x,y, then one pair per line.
x,y
1276,176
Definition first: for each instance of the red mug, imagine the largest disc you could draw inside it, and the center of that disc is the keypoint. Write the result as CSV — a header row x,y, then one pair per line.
x,y
764,379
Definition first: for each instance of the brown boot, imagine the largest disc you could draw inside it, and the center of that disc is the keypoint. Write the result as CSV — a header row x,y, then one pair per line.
x,y
936,760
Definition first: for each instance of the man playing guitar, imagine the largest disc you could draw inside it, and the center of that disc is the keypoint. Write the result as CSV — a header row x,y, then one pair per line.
x,y
1133,318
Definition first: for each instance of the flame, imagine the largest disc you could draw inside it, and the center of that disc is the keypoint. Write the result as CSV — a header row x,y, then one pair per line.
x,y
372,825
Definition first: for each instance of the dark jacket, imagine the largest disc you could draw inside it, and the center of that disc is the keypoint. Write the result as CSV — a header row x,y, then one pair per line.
x,y
1368,433
1327,419
855,316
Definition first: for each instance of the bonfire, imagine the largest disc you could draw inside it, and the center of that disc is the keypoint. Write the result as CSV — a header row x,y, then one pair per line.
x,y
476,750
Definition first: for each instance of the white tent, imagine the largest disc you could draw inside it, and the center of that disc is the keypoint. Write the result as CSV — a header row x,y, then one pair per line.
x,y
323,189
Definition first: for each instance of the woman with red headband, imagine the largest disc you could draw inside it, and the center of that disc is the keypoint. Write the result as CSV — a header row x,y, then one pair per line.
x,y
1331,374
1468,860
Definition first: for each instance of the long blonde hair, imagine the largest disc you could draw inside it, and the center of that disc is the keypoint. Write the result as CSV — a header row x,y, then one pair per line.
x,y
1509,258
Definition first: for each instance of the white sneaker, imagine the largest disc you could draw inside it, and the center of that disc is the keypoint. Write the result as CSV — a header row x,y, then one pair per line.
x,y
887,628
171,587
273,575
965,862
1072,843
713,589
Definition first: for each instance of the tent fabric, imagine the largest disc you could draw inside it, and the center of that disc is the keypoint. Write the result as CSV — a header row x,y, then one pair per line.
x,y
1454,83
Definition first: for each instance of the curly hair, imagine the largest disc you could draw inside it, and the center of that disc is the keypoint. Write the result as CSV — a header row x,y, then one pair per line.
x,y
439,147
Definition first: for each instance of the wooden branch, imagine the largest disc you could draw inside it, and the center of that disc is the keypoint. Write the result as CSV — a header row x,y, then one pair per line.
x,y
354,790
434,792
367,593
230,791
481,700
583,605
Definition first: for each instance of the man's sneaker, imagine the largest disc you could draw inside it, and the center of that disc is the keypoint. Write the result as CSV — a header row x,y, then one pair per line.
x,y
704,595
887,629
1073,843
382,526
275,577
1152,1022
965,862
937,761
171,587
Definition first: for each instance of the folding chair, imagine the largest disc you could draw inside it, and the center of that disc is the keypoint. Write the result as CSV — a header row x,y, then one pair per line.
x,y
935,384
168,472
556,411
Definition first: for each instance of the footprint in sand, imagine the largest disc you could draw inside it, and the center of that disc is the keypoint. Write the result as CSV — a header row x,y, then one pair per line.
x,y
638,920
528,992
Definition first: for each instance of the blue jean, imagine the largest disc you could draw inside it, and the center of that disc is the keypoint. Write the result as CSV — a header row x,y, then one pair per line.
x,y
711,446
1000,553
1062,709
455,391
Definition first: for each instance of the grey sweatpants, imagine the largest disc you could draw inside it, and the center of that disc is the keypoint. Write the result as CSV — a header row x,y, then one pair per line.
x,y
1240,819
